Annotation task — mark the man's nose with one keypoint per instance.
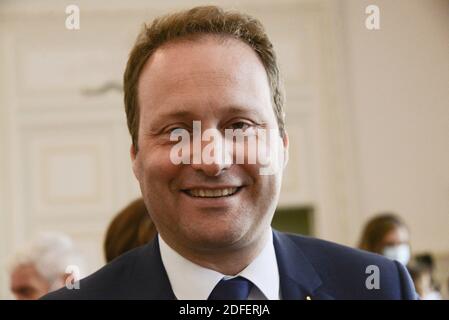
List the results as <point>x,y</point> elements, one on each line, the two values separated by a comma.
<point>212,157</point>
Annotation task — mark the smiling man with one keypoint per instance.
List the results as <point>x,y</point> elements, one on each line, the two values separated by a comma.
<point>219,69</point>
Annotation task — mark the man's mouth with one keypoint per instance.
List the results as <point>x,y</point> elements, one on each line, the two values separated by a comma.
<point>212,193</point>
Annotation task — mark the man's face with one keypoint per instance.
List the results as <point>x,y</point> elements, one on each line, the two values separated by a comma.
<point>224,86</point>
<point>27,283</point>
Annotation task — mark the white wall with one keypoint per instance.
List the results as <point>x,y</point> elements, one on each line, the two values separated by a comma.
<point>399,91</point>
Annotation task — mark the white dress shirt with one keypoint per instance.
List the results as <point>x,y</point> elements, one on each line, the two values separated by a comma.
<point>190,281</point>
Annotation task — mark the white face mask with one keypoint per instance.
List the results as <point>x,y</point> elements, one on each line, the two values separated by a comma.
<point>432,295</point>
<point>399,252</point>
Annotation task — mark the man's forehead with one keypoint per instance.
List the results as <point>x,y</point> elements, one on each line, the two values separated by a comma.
<point>170,74</point>
<point>184,60</point>
<point>200,78</point>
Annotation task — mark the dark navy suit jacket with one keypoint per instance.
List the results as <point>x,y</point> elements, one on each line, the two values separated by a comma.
<point>307,267</point>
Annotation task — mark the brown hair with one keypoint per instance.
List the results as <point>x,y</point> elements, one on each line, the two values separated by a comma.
<point>376,229</point>
<point>130,228</point>
<point>194,23</point>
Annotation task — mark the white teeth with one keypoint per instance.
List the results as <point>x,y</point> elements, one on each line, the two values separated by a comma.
<point>211,193</point>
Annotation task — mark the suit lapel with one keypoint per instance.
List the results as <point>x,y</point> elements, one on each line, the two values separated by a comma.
<point>298,277</point>
<point>149,279</point>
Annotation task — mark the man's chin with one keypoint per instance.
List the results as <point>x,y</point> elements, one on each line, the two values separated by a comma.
<point>217,239</point>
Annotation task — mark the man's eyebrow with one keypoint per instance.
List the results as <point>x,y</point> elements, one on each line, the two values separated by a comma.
<point>186,113</point>
<point>233,109</point>
<point>176,114</point>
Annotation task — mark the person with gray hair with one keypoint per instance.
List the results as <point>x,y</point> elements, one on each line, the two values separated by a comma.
<point>47,263</point>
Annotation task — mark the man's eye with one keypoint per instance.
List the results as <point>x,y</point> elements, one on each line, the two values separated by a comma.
<point>175,129</point>
<point>240,125</point>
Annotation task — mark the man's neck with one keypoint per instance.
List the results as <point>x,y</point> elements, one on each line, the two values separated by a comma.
<point>229,261</point>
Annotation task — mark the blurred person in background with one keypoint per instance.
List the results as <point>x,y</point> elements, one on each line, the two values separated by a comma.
<point>130,228</point>
<point>421,269</point>
<point>387,234</point>
<point>42,266</point>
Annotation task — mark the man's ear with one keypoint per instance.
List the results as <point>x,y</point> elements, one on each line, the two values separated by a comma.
<point>286,146</point>
<point>133,154</point>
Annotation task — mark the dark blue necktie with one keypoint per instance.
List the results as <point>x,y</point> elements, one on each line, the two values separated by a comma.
<point>237,288</point>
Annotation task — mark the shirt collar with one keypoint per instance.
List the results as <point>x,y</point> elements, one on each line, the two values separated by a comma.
<point>190,281</point>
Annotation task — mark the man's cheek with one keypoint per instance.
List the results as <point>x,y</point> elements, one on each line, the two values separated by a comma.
<point>158,169</point>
